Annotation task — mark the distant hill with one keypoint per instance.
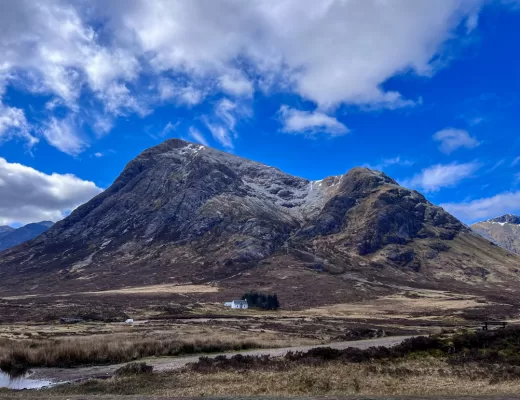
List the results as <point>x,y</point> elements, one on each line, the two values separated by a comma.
<point>183,213</point>
<point>5,230</point>
<point>504,231</point>
<point>10,237</point>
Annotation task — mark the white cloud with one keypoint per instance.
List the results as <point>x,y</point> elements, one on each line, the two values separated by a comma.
<point>118,100</point>
<point>452,139</point>
<point>199,137</point>
<point>223,123</point>
<point>336,51</point>
<point>434,178</point>
<point>186,95</point>
<point>515,162</point>
<point>102,125</point>
<point>13,123</point>
<point>62,135</point>
<point>98,154</point>
<point>329,52</point>
<point>28,195</point>
<point>387,162</point>
<point>485,208</point>
<point>227,110</point>
<point>236,84</point>
<point>221,134</point>
<point>310,122</point>
<point>54,42</point>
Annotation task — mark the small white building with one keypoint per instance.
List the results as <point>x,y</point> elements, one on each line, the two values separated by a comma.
<point>236,304</point>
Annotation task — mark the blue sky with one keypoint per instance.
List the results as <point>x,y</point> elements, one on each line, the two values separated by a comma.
<point>426,91</point>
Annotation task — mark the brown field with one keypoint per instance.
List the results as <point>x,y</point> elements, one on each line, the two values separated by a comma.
<point>158,289</point>
<point>414,377</point>
<point>459,364</point>
<point>190,319</point>
<point>110,343</point>
<point>113,349</point>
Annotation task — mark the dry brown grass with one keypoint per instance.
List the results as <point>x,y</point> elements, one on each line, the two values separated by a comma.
<point>178,289</point>
<point>112,349</point>
<point>403,305</point>
<point>424,377</point>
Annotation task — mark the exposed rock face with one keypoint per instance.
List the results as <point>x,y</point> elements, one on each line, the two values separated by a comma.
<point>507,219</point>
<point>10,237</point>
<point>181,212</point>
<point>504,231</point>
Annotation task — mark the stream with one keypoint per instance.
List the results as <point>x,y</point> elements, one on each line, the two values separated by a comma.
<point>22,382</point>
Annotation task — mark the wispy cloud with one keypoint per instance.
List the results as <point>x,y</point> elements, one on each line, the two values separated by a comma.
<point>196,135</point>
<point>13,123</point>
<point>168,128</point>
<point>220,134</point>
<point>452,139</point>
<point>226,116</point>
<point>63,135</point>
<point>497,165</point>
<point>182,94</point>
<point>388,162</point>
<point>438,176</point>
<point>486,207</point>
<point>310,122</point>
<point>236,84</point>
<point>515,162</point>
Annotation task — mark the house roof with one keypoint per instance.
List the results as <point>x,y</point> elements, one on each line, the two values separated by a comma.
<point>240,301</point>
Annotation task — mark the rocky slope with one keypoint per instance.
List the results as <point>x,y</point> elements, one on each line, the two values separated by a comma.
<point>504,231</point>
<point>185,213</point>
<point>12,237</point>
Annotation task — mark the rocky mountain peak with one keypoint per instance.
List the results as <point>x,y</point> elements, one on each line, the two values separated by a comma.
<point>506,219</point>
<point>503,230</point>
<point>184,212</point>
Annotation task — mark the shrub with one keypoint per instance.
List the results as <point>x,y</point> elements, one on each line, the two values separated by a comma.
<point>261,300</point>
<point>134,368</point>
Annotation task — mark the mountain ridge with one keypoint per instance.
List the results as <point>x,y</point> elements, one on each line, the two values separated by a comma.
<point>503,230</point>
<point>185,213</point>
<point>14,236</point>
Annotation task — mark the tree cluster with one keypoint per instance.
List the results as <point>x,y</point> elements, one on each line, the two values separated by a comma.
<point>261,300</point>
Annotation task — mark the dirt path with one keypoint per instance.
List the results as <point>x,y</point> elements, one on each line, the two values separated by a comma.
<point>171,363</point>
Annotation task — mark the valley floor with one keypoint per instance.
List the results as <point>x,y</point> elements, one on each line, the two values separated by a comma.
<point>420,375</point>
<point>172,323</point>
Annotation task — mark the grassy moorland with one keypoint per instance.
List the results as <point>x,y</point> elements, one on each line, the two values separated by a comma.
<point>19,355</point>
<point>461,364</point>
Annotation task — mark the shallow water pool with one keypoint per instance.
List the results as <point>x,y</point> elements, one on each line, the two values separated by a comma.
<point>22,382</point>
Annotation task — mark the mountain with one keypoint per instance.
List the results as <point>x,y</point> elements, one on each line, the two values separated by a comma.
<point>504,231</point>
<point>5,230</point>
<point>185,213</point>
<point>10,237</point>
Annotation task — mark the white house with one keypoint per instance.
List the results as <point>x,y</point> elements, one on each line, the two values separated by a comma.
<point>236,304</point>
